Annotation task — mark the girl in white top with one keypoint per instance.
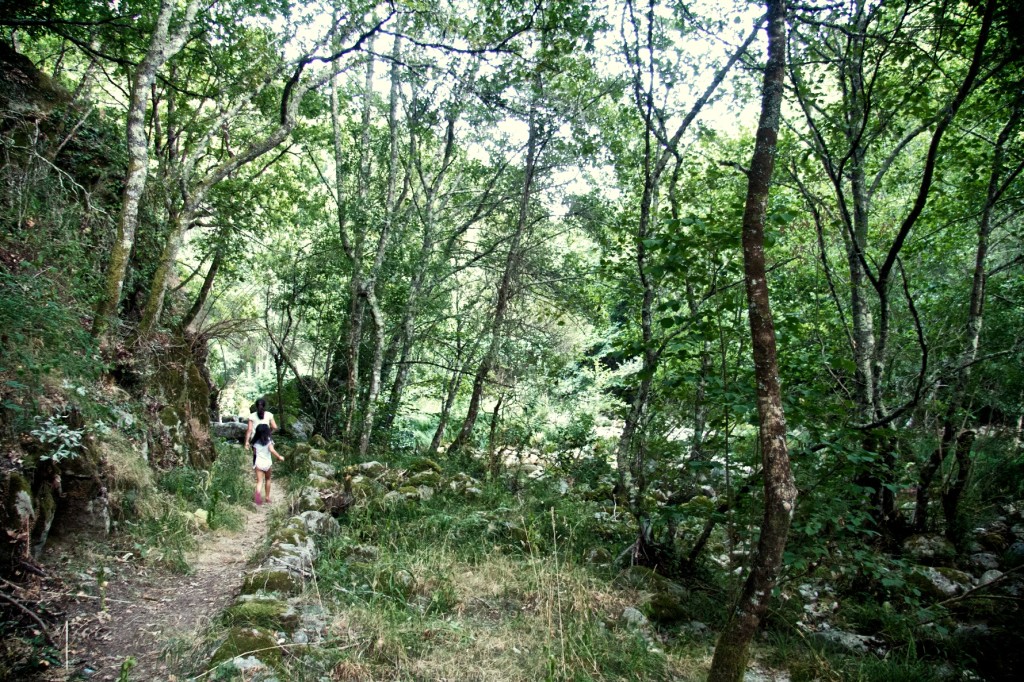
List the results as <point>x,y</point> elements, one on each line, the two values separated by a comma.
<point>264,449</point>
<point>260,416</point>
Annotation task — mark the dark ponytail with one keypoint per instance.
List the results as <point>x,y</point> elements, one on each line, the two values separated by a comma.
<point>261,407</point>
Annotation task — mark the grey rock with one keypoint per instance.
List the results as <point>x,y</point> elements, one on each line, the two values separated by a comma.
<point>930,550</point>
<point>989,576</point>
<point>633,618</point>
<point>984,561</point>
<point>320,523</point>
<point>941,582</point>
<point>371,469</point>
<point>847,642</point>
<point>1014,555</point>
<point>232,431</point>
<point>323,468</point>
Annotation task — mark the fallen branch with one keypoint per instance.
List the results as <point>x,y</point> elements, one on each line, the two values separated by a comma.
<point>30,613</point>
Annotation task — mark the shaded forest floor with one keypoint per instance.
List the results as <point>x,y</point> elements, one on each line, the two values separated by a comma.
<point>145,610</point>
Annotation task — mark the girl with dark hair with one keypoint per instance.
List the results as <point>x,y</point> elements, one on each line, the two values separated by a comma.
<point>262,462</point>
<point>261,416</point>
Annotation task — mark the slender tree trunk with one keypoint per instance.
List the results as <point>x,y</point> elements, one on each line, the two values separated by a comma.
<point>190,323</point>
<point>533,147</point>
<point>446,409</point>
<point>492,440</point>
<point>730,659</point>
<point>355,319</point>
<point>390,210</point>
<point>162,47</point>
<point>975,318</point>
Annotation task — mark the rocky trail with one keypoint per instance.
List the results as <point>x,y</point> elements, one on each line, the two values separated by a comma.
<point>147,610</point>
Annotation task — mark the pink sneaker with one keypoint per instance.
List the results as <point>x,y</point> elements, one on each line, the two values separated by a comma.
<point>256,498</point>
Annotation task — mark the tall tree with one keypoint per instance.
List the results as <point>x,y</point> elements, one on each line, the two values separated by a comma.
<point>730,659</point>
<point>163,45</point>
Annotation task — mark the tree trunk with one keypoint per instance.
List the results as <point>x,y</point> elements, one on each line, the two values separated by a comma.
<point>730,658</point>
<point>446,410</point>
<point>492,440</point>
<point>190,323</point>
<point>390,209</point>
<point>975,319</point>
<point>162,46</point>
<point>355,317</point>
<point>533,147</point>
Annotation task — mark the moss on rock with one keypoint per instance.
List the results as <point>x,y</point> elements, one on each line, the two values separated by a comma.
<point>271,580</point>
<point>262,612</point>
<point>242,641</point>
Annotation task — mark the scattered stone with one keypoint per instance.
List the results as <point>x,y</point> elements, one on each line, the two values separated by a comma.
<point>633,618</point>
<point>929,550</point>
<point>272,580</point>
<point>320,482</point>
<point>846,642</point>
<point>984,561</point>
<point>599,556</point>
<point>668,599</point>
<point>425,492</point>
<point>242,641</point>
<point>989,576</point>
<point>317,441</point>
<point>1014,555</point>
<point>323,468</point>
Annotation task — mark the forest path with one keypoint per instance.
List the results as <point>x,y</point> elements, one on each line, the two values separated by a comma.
<point>148,608</point>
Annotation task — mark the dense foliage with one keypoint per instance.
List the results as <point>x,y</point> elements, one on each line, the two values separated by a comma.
<point>507,232</point>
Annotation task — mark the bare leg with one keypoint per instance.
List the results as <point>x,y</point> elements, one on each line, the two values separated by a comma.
<point>267,476</point>
<point>259,486</point>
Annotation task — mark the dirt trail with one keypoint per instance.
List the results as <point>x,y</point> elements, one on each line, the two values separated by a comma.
<point>148,608</point>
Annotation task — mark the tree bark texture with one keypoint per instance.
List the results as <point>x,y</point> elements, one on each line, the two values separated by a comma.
<point>730,658</point>
<point>162,46</point>
<point>369,287</point>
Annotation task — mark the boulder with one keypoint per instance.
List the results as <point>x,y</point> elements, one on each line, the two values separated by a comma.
<point>425,464</point>
<point>271,580</point>
<point>667,599</point>
<point>1014,555</point>
<point>241,641</point>
<point>846,642</point>
<point>323,469</point>
<point>428,478</point>
<point>984,561</point>
<point>370,469</point>
<point>320,524</point>
<point>231,431</point>
<point>262,611</point>
<point>940,583</point>
<point>632,618</point>
<point>929,550</point>
<point>989,576</point>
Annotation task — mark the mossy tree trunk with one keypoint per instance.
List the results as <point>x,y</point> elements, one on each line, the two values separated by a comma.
<point>162,46</point>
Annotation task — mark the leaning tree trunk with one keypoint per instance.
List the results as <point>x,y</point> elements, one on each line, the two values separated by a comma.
<point>731,652</point>
<point>162,46</point>
<point>533,146</point>
<point>950,441</point>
